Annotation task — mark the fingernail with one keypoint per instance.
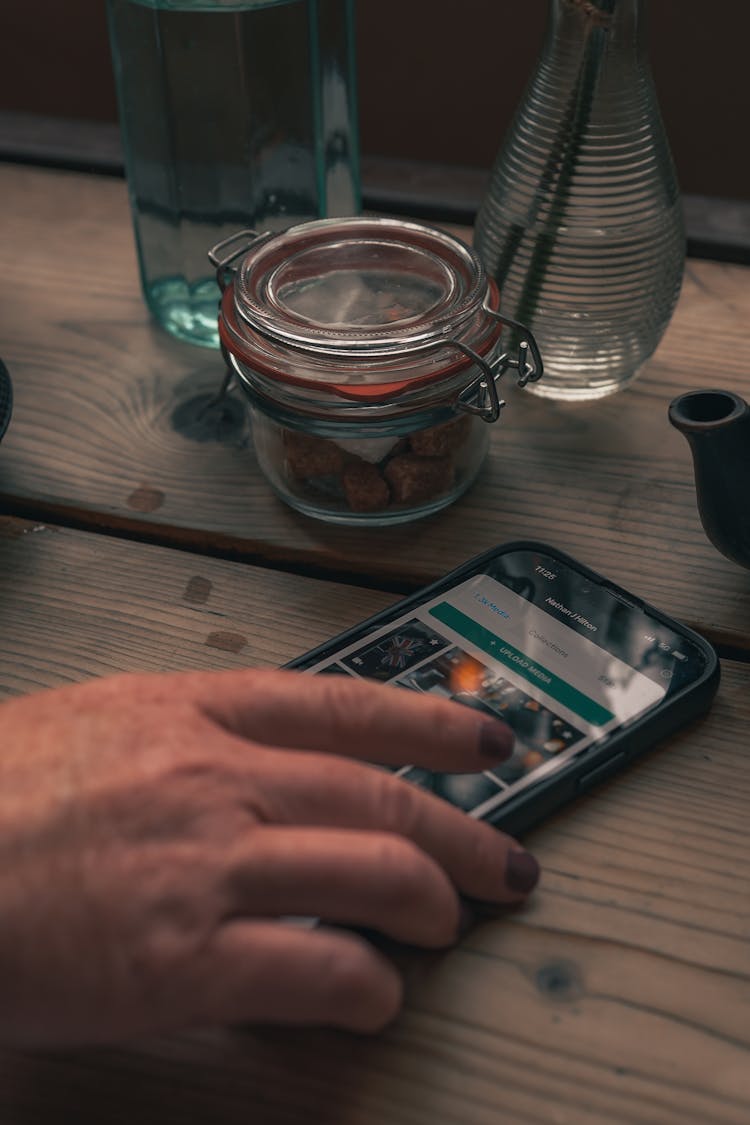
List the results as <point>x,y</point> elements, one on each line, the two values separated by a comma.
<point>495,741</point>
<point>521,871</point>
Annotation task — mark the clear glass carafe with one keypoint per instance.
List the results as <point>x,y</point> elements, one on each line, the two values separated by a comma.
<point>582,223</point>
<point>233,113</point>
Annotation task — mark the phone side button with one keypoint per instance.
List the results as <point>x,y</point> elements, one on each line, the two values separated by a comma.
<point>593,777</point>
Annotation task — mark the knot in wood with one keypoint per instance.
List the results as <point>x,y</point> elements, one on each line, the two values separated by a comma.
<point>559,980</point>
<point>208,417</point>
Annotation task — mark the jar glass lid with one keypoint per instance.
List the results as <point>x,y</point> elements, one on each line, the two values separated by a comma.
<point>368,309</point>
<point>355,287</point>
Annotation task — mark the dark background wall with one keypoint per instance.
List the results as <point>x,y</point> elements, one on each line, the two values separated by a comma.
<point>437,81</point>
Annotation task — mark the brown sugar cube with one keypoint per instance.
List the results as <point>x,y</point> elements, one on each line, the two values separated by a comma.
<point>364,487</point>
<point>413,479</point>
<point>439,440</point>
<point>401,446</point>
<point>311,456</point>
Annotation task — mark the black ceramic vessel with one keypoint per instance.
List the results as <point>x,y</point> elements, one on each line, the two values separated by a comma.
<point>6,398</point>
<point>717,427</point>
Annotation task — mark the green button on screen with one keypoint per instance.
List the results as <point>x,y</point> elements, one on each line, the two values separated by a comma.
<point>522,664</point>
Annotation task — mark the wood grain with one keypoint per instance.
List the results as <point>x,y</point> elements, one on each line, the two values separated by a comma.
<point>621,994</point>
<point>75,605</point>
<point>99,389</point>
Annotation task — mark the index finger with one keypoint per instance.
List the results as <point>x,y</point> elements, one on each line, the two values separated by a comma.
<point>355,718</point>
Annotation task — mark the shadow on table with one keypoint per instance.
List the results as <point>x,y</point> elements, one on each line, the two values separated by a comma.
<point>259,1077</point>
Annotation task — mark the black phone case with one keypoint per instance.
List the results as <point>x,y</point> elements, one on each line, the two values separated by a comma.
<point>532,805</point>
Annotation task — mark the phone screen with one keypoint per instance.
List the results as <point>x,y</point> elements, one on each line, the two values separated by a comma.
<point>563,658</point>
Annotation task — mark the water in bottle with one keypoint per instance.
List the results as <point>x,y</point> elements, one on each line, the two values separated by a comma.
<point>234,114</point>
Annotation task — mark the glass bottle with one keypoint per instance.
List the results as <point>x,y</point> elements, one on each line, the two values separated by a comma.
<point>582,223</point>
<point>233,113</point>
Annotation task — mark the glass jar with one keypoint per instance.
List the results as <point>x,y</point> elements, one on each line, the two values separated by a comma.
<point>368,351</point>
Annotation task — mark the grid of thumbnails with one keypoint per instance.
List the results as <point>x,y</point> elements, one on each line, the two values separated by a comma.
<point>414,656</point>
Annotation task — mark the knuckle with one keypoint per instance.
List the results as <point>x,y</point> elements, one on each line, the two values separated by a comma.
<point>406,871</point>
<point>418,893</point>
<point>348,707</point>
<point>152,960</point>
<point>173,927</point>
<point>356,990</point>
<point>399,805</point>
<point>348,976</point>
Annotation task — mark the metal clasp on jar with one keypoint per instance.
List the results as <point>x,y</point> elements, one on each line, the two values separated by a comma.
<point>242,240</point>
<point>481,396</point>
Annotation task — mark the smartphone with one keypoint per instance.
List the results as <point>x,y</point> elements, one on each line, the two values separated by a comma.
<point>587,674</point>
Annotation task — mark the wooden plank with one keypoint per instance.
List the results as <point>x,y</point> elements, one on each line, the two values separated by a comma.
<point>619,994</point>
<point>75,605</point>
<point>105,402</point>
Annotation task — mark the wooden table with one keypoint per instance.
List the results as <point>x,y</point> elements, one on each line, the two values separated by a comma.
<point>622,992</point>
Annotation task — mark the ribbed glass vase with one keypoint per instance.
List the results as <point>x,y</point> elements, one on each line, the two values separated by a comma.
<point>582,222</point>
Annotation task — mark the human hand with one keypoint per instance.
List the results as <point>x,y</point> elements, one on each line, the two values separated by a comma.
<point>154,830</point>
